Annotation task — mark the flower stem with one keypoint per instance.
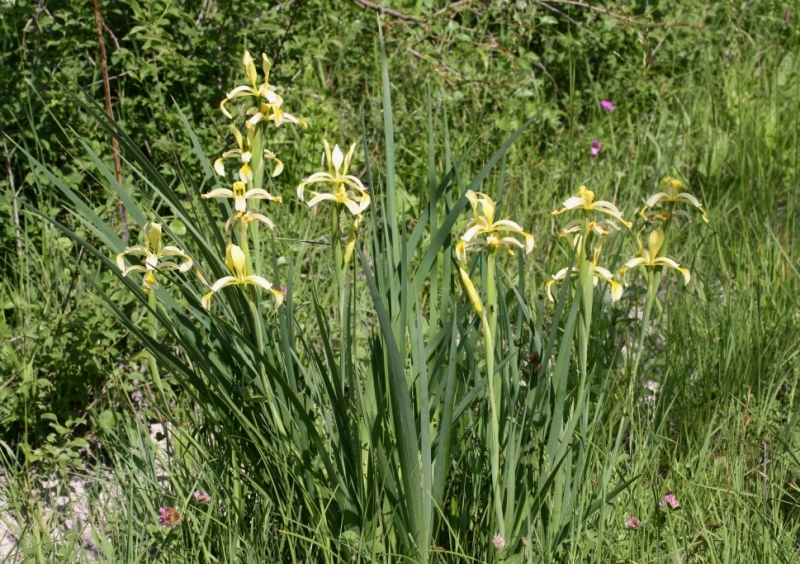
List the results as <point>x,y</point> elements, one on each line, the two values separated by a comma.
<point>489,321</point>
<point>340,273</point>
<point>153,327</point>
<point>258,156</point>
<point>652,291</point>
<point>339,268</point>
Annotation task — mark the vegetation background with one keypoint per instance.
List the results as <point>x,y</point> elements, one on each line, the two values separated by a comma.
<point>707,91</point>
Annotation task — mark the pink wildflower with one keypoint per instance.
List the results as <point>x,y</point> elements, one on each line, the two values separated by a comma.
<point>633,523</point>
<point>596,146</point>
<point>202,497</point>
<point>169,517</point>
<point>787,17</point>
<point>671,500</point>
<point>498,541</point>
<point>607,106</point>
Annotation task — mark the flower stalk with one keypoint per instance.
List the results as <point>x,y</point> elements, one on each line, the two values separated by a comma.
<point>483,235</point>
<point>489,322</point>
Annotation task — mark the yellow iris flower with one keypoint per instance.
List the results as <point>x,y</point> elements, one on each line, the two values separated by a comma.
<point>672,193</point>
<point>483,231</point>
<point>598,273</point>
<point>245,174</point>
<point>240,195</point>
<point>585,201</point>
<point>247,217</point>
<point>348,191</point>
<point>268,105</point>
<point>235,259</point>
<point>271,111</point>
<point>649,257</point>
<point>600,228</point>
<point>264,90</point>
<point>153,252</point>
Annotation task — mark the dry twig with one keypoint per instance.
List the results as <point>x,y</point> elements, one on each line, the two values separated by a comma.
<point>98,20</point>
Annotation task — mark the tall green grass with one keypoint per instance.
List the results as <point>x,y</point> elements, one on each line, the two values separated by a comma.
<point>367,440</point>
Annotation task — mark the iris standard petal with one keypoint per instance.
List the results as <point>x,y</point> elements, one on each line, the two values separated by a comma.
<point>348,157</point>
<point>473,202</point>
<point>337,158</point>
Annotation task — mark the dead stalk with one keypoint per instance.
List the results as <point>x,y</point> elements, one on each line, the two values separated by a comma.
<point>98,20</point>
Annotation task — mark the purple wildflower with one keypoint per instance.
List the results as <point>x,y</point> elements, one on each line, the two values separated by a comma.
<point>202,497</point>
<point>169,517</point>
<point>633,523</point>
<point>607,106</point>
<point>787,17</point>
<point>596,146</point>
<point>671,500</point>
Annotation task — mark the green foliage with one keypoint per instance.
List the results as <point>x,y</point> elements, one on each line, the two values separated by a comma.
<point>365,436</point>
